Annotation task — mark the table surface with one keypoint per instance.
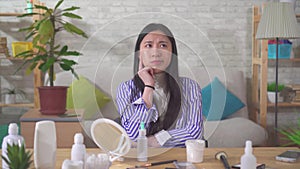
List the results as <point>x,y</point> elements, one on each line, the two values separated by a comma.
<point>34,115</point>
<point>264,155</point>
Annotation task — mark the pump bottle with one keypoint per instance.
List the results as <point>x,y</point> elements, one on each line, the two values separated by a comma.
<point>142,144</point>
<point>11,138</point>
<point>78,149</point>
<point>248,160</point>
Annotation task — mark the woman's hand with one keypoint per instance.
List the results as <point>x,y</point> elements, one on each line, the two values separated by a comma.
<point>152,142</point>
<point>146,74</point>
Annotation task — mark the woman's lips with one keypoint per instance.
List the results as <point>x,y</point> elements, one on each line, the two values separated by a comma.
<point>156,62</point>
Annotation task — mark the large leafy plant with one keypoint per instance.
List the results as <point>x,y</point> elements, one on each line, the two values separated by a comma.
<point>46,52</point>
<point>17,157</point>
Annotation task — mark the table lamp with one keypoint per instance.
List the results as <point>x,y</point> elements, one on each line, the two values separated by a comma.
<point>278,21</point>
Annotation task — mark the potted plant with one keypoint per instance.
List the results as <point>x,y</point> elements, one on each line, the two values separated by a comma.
<point>271,92</point>
<point>11,94</point>
<point>47,52</point>
<point>17,157</point>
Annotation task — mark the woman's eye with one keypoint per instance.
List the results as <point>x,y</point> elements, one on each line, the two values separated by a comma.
<point>163,45</point>
<point>148,45</point>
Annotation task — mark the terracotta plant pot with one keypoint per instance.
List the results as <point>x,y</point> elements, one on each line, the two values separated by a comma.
<point>53,99</point>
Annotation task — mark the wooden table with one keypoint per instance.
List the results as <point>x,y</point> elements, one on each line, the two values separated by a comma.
<point>264,155</point>
<point>66,126</point>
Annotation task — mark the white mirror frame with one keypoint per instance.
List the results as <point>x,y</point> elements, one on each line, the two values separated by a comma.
<point>121,150</point>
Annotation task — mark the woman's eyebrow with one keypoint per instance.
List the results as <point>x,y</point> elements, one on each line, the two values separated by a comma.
<point>163,41</point>
<point>148,41</point>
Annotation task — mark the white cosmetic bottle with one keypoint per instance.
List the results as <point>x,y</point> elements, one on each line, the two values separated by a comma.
<point>78,148</point>
<point>248,160</point>
<point>142,144</point>
<point>45,145</point>
<point>11,138</point>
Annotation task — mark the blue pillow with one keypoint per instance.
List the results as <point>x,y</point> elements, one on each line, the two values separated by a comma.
<point>224,103</point>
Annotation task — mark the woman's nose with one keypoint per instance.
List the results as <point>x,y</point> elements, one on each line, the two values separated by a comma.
<point>156,52</point>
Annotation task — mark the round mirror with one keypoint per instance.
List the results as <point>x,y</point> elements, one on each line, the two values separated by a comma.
<point>110,137</point>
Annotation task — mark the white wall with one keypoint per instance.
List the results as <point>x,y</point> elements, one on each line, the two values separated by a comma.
<point>209,33</point>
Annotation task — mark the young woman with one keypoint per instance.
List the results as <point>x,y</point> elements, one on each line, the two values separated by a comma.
<point>169,105</point>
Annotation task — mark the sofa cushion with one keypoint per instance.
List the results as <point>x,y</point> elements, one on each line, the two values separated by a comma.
<point>82,94</point>
<point>234,132</point>
<point>224,102</point>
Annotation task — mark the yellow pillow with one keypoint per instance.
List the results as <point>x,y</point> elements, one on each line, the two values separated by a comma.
<point>82,94</point>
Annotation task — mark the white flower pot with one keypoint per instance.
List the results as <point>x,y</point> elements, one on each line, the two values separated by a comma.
<point>271,97</point>
<point>10,98</point>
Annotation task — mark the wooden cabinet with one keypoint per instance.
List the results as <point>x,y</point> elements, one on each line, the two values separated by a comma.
<point>66,126</point>
<point>37,81</point>
<point>260,65</point>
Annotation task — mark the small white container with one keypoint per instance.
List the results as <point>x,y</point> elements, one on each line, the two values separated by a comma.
<point>248,160</point>
<point>195,150</point>
<point>78,148</point>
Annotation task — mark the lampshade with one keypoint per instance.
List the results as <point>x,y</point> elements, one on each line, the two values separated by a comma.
<point>278,21</point>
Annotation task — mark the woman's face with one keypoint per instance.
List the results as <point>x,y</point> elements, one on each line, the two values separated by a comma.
<point>156,51</point>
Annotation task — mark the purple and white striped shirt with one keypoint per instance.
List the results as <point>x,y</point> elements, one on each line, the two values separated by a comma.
<point>189,124</point>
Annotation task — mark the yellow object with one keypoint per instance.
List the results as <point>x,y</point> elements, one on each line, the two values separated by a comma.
<point>19,47</point>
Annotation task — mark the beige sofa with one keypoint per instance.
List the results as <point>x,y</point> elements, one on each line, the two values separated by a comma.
<point>230,132</point>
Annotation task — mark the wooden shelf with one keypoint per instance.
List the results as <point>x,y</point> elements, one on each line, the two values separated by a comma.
<point>11,14</point>
<point>285,60</point>
<point>11,58</point>
<point>260,65</point>
<point>284,104</point>
<point>37,75</point>
<point>17,105</point>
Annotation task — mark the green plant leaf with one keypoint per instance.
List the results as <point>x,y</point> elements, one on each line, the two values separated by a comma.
<point>272,87</point>
<point>71,15</point>
<point>28,14</point>
<point>63,50</point>
<point>35,40</point>
<point>58,4</point>
<point>29,35</point>
<point>38,58</point>
<point>71,8</point>
<point>71,53</point>
<point>26,29</point>
<point>73,29</point>
<point>41,7</point>
<point>69,62</point>
<point>41,49</point>
<point>46,65</point>
<point>25,54</point>
<point>45,31</point>
<point>18,157</point>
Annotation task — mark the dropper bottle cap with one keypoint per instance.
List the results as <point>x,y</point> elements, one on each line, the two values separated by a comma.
<point>142,125</point>
<point>13,129</point>
<point>142,129</point>
<point>78,138</point>
<point>248,148</point>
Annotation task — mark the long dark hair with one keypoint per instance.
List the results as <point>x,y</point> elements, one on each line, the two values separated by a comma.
<point>172,77</point>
